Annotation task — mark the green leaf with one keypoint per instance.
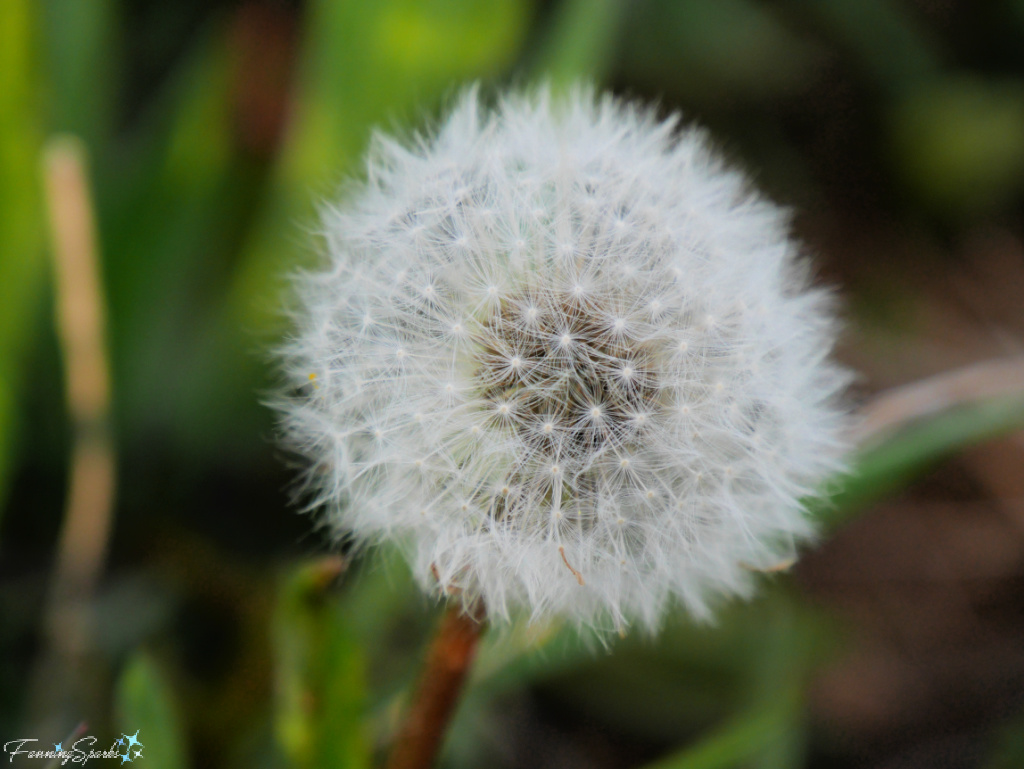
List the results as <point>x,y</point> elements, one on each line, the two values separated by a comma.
<point>693,675</point>
<point>179,203</point>
<point>885,468</point>
<point>769,732</point>
<point>788,654</point>
<point>320,674</point>
<point>756,659</point>
<point>580,42</point>
<point>737,743</point>
<point>80,66</point>
<point>21,220</point>
<point>145,706</point>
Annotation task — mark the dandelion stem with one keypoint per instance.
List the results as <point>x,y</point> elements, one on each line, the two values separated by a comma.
<point>444,672</point>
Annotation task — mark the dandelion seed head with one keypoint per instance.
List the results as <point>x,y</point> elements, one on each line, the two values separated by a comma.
<point>570,360</point>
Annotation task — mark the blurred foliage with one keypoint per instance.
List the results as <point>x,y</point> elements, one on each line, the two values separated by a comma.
<point>579,42</point>
<point>146,706</point>
<point>321,684</point>
<point>960,143</point>
<point>215,129</point>
<point>1008,752</point>
<point>750,736</point>
<point>21,218</point>
<point>888,466</point>
<point>716,51</point>
<point>884,39</point>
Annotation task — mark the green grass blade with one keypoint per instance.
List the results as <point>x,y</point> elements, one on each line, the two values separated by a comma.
<point>580,42</point>
<point>884,469</point>
<point>320,674</point>
<point>186,192</point>
<point>739,742</point>
<point>81,66</point>
<point>21,220</point>
<point>146,708</point>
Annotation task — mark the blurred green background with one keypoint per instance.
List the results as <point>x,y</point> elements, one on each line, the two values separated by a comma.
<point>225,630</point>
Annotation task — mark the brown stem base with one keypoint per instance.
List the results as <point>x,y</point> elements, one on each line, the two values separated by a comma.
<point>444,672</point>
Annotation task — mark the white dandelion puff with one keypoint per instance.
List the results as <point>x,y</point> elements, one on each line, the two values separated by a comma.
<point>568,360</point>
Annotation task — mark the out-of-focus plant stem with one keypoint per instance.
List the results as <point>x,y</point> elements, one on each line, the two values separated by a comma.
<point>80,320</point>
<point>894,409</point>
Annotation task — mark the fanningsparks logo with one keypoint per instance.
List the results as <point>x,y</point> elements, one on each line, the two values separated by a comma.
<point>126,748</point>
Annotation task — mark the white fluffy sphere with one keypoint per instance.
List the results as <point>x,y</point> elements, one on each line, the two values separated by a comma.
<point>566,358</point>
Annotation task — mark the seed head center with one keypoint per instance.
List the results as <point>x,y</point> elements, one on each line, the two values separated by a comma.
<point>560,380</point>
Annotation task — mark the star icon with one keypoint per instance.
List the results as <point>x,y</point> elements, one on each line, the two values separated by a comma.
<point>132,739</point>
<point>120,740</point>
<point>125,758</point>
<point>56,746</point>
<point>138,753</point>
